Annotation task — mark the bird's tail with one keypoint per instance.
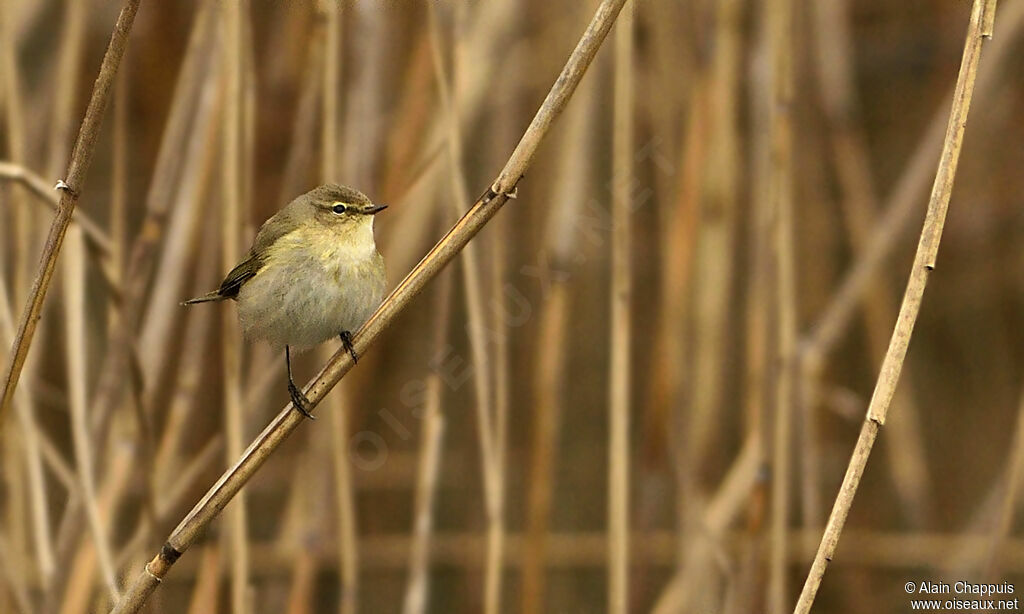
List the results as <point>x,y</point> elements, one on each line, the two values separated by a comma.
<point>206,298</point>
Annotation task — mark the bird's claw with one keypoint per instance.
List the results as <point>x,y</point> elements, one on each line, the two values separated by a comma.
<point>346,342</point>
<point>299,401</point>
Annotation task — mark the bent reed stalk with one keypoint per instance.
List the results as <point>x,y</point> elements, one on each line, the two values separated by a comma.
<point>485,207</point>
<point>70,191</point>
<point>980,28</point>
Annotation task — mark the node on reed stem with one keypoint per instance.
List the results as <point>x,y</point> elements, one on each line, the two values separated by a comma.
<point>924,264</point>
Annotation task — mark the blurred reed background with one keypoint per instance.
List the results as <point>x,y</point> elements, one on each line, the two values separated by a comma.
<point>636,390</point>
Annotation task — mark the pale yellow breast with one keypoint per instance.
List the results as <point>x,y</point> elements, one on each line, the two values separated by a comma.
<point>313,285</point>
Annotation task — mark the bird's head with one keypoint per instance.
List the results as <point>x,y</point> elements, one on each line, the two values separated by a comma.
<point>341,207</point>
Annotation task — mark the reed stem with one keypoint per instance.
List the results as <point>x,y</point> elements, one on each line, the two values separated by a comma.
<point>980,28</point>
<point>443,252</point>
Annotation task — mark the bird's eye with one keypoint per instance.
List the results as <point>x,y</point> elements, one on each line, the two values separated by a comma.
<point>338,208</point>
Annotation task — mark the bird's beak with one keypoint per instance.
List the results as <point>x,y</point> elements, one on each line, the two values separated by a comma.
<point>374,210</point>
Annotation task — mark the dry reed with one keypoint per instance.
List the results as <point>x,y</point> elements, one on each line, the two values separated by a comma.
<point>231,183</point>
<point>81,157</point>
<point>620,323</point>
<point>836,82</point>
<point>417,585</point>
<point>478,326</point>
<point>467,465</point>
<point>442,253</point>
<point>779,16</point>
<point>341,402</point>
<point>550,369</point>
<point>980,28</point>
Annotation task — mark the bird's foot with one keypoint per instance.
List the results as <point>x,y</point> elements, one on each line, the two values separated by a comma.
<point>299,401</point>
<point>346,342</point>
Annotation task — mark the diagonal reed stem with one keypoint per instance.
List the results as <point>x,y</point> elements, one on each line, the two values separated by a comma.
<point>81,157</point>
<point>210,506</point>
<point>980,28</point>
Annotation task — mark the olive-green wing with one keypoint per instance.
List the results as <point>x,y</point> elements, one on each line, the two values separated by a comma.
<point>273,229</point>
<point>233,282</point>
<point>239,275</point>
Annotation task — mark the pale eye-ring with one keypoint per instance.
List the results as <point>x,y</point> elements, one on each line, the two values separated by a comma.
<point>339,208</point>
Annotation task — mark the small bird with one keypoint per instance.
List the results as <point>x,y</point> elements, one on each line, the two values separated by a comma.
<point>313,273</point>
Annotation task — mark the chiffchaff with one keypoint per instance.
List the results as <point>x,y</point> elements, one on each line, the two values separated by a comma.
<point>312,273</point>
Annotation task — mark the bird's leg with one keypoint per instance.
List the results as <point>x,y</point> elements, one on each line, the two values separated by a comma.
<point>346,342</point>
<point>299,400</point>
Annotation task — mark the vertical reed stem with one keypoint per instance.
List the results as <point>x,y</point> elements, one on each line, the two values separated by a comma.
<point>619,376</point>
<point>431,435</point>
<point>348,552</point>
<point>231,221</point>
<point>74,290</point>
<point>779,14</point>
<point>478,328</point>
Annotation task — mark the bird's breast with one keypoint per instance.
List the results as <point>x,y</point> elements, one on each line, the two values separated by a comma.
<point>311,287</point>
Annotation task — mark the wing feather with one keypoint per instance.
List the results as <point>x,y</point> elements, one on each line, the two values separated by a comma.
<point>239,275</point>
<point>285,221</point>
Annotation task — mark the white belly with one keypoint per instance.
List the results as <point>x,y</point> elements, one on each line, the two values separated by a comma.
<point>302,299</point>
